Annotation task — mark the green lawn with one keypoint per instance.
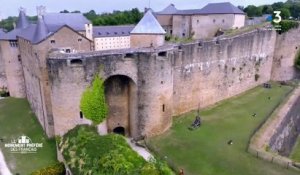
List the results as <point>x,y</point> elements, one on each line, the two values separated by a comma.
<point>16,119</point>
<point>295,155</point>
<point>205,151</point>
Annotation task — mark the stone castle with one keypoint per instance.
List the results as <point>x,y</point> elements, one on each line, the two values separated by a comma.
<point>51,63</point>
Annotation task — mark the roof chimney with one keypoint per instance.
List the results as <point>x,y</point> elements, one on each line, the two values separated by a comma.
<point>41,10</point>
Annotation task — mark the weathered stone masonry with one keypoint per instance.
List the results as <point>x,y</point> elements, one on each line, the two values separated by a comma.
<point>159,83</point>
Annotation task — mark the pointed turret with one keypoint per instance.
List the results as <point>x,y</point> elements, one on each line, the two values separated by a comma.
<point>22,22</point>
<point>148,25</point>
<point>41,30</point>
<point>148,32</point>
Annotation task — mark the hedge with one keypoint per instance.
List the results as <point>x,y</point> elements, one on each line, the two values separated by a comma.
<point>56,169</point>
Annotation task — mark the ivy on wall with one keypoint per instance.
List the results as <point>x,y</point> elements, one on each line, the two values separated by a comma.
<point>92,104</point>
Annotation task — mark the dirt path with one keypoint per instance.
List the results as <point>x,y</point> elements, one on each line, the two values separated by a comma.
<point>141,151</point>
<point>3,167</point>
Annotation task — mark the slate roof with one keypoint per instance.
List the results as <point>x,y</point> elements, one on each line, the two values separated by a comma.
<point>46,25</point>
<point>22,22</point>
<point>220,8</point>
<point>41,31</point>
<point>148,25</point>
<point>211,8</point>
<point>75,20</point>
<point>171,9</point>
<point>111,31</point>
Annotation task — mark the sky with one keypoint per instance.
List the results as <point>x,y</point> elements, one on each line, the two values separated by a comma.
<point>10,7</point>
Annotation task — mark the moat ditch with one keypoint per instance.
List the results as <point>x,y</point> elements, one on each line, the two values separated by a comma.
<point>285,136</point>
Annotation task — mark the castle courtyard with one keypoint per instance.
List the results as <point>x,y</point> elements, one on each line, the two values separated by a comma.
<point>205,150</point>
<point>23,122</point>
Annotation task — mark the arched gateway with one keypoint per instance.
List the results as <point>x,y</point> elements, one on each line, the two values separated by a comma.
<point>121,97</point>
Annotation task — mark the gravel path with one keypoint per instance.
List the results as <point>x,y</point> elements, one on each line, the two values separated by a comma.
<point>3,167</point>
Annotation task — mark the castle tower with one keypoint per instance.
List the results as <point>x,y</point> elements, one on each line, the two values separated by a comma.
<point>41,30</point>
<point>147,33</point>
<point>9,47</point>
<point>22,22</point>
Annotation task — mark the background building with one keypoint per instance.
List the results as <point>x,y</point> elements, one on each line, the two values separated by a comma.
<point>201,23</point>
<point>112,37</point>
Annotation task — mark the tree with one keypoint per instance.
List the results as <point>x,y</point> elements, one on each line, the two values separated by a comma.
<point>92,104</point>
<point>267,9</point>
<point>285,13</point>
<point>76,11</point>
<point>252,11</point>
<point>64,11</point>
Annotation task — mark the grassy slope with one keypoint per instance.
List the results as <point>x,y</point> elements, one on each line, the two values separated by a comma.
<point>205,151</point>
<point>295,155</point>
<point>17,119</point>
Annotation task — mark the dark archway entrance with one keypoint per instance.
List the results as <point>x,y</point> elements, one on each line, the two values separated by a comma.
<point>121,97</point>
<point>119,130</point>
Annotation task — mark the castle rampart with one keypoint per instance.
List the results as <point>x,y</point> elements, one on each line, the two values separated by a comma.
<point>156,84</point>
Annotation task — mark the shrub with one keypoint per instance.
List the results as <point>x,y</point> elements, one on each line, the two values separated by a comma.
<point>286,25</point>
<point>56,169</point>
<point>88,153</point>
<point>92,104</point>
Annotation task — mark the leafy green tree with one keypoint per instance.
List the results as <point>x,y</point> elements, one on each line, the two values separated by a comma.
<point>285,13</point>
<point>252,11</point>
<point>267,9</point>
<point>92,104</point>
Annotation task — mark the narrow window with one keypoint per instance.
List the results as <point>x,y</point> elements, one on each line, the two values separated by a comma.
<point>76,61</point>
<point>80,115</point>
<point>19,58</point>
<point>162,54</point>
<point>163,107</point>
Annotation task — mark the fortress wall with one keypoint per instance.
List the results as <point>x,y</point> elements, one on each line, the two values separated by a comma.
<point>155,92</point>
<point>206,74</point>
<point>32,75</point>
<point>69,80</point>
<point>3,80</point>
<point>169,80</point>
<point>286,49</point>
<point>13,70</point>
<point>36,73</point>
<point>286,134</point>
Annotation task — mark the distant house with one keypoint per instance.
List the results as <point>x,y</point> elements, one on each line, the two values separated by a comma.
<point>112,37</point>
<point>200,23</point>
